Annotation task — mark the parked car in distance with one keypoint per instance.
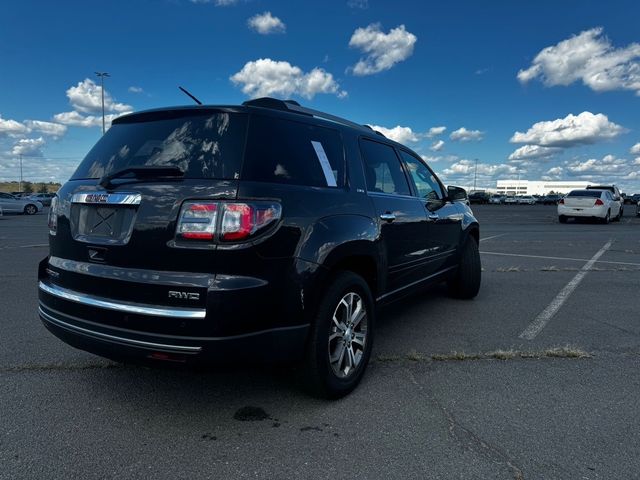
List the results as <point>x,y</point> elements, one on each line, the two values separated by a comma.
<point>276,245</point>
<point>632,199</point>
<point>526,200</point>
<point>615,192</point>
<point>43,198</point>
<point>511,199</point>
<point>479,197</point>
<point>595,204</point>
<point>496,199</point>
<point>551,199</point>
<point>11,204</point>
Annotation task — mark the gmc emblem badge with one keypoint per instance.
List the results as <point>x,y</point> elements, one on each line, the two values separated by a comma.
<point>97,198</point>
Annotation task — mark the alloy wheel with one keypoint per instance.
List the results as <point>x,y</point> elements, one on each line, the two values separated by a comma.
<point>348,335</point>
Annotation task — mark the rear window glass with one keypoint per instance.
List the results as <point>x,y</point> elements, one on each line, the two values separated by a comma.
<point>585,193</point>
<point>284,151</point>
<point>202,146</point>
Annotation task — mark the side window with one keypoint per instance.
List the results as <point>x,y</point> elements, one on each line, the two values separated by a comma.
<point>383,172</point>
<point>426,184</point>
<point>284,151</point>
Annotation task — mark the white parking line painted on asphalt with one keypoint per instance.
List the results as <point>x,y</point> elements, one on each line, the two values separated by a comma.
<point>25,246</point>
<point>569,259</point>
<point>494,236</point>
<point>547,314</point>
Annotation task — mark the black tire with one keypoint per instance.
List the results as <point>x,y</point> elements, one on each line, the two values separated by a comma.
<point>466,281</point>
<point>320,377</point>
<point>30,209</point>
<point>562,219</point>
<point>607,218</point>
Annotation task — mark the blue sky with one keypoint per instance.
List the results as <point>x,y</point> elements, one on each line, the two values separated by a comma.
<point>565,75</point>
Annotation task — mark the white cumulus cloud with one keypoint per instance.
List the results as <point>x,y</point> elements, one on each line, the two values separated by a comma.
<point>29,147</point>
<point>588,57</point>
<point>437,146</point>
<point>533,151</point>
<point>266,77</point>
<point>86,97</point>
<point>383,50</point>
<point>397,133</point>
<point>265,23</point>
<point>464,135</point>
<point>76,119</point>
<point>55,130</point>
<point>435,131</point>
<point>635,150</point>
<point>134,89</point>
<point>583,129</point>
<point>12,127</point>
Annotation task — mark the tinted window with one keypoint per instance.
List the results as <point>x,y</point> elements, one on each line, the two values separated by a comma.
<point>585,193</point>
<point>207,145</point>
<point>425,182</point>
<point>284,151</point>
<point>382,169</point>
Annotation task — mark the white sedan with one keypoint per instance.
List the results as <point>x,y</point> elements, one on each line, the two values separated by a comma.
<point>596,204</point>
<point>526,200</point>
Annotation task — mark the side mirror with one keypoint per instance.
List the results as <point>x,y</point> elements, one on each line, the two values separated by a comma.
<point>457,194</point>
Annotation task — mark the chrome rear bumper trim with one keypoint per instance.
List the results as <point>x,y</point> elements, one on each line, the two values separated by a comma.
<point>115,339</point>
<point>120,306</point>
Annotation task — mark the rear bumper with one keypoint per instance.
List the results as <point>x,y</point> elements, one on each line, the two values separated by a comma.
<point>239,320</point>
<point>590,212</point>
<point>269,346</point>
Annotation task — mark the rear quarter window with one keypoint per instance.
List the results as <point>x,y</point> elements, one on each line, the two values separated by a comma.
<point>286,151</point>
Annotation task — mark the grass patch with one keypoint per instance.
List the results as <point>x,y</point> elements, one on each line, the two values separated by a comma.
<point>415,356</point>
<point>388,358</point>
<point>551,268</point>
<point>567,351</point>
<point>509,269</point>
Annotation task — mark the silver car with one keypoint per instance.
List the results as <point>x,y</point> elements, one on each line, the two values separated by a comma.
<point>11,204</point>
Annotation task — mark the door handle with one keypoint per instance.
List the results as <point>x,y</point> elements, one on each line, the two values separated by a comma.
<point>387,217</point>
<point>433,216</point>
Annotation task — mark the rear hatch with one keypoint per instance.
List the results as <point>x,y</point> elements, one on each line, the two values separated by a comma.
<point>582,198</point>
<point>115,227</point>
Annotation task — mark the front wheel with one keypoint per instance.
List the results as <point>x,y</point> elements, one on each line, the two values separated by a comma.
<point>30,209</point>
<point>466,281</point>
<point>341,337</point>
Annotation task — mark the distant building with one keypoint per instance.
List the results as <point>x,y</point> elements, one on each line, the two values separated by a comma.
<point>531,187</point>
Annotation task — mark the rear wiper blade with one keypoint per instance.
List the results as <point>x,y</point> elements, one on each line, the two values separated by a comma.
<point>141,172</point>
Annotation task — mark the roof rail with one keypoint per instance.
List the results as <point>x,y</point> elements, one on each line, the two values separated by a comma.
<point>293,106</point>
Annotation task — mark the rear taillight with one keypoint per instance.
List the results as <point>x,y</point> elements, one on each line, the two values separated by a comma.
<point>225,221</point>
<point>52,219</point>
<point>197,221</point>
<point>561,201</point>
<point>598,203</point>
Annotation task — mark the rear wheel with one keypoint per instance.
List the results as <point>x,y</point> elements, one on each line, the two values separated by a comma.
<point>466,282</point>
<point>562,219</point>
<point>607,217</point>
<point>341,337</point>
<point>30,209</point>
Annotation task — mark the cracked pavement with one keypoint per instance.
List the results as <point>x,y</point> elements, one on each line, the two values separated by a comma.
<point>68,414</point>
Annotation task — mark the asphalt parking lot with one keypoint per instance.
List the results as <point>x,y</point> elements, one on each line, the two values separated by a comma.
<point>538,377</point>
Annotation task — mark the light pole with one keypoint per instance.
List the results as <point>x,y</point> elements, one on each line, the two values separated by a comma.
<point>102,75</point>
<point>20,188</point>
<point>475,176</point>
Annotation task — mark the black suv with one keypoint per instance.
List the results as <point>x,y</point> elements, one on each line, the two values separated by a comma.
<point>266,231</point>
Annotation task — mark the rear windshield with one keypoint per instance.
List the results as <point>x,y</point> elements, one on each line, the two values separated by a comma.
<point>585,193</point>
<point>209,145</point>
